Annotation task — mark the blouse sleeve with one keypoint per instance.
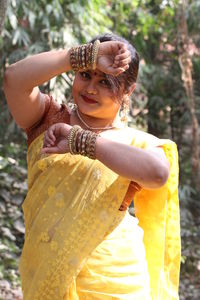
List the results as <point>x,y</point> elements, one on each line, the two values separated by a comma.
<point>53,113</point>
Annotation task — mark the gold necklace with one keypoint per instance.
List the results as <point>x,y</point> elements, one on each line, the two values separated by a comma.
<point>90,127</point>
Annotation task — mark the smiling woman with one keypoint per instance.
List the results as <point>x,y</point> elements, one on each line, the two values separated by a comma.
<point>94,97</point>
<point>85,165</point>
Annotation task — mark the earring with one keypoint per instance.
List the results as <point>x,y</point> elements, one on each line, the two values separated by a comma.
<point>124,110</point>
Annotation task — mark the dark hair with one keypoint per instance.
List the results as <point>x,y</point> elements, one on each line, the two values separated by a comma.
<point>130,75</point>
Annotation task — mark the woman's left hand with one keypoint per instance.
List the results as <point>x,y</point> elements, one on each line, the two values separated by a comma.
<point>55,139</point>
<point>113,57</point>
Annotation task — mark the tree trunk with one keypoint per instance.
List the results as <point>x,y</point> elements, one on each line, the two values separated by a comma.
<point>186,65</point>
<point>3,7</point>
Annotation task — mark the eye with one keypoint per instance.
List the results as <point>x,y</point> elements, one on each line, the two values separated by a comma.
<point>105,82</point>
<point>85,75</point>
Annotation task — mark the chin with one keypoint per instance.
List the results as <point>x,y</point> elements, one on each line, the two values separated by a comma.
<point>88,109</point>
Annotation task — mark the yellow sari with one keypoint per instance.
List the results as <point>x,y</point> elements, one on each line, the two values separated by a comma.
<point>72,216</point>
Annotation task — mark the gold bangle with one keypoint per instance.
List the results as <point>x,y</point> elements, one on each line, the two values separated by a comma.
<point>85,56</point>
<point>80,57</point>
<point>71,138</point>
<point>95,54</point>
<point>83,142</point>
<point>92,146</point>
<point>75,141</point>
<point>80,141</point>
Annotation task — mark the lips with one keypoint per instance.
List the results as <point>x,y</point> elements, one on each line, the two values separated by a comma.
<point>88,100</point>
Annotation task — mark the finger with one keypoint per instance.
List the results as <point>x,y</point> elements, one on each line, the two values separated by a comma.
<point>48,141</point>
<point>122,46</point>
<point>123,56</point>
<point>116,71</point>
<point>50,150</point>
<point>46,135</point>
<point>51,132</point>
<point>126,67</point>
<point>124,62</point>
<point>123,69</point>
<point>123,49</point>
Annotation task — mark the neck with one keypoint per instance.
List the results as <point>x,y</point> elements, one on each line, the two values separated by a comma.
<point>93,123</point>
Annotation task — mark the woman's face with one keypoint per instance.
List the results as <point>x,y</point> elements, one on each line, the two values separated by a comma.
<point>94,96</point>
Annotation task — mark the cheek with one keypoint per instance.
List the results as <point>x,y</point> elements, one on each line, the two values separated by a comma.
<point>114,102</point>
<point>113,105</point>
<point>116,107</point>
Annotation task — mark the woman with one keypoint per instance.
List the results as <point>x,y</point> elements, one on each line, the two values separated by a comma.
<point>80,241</point>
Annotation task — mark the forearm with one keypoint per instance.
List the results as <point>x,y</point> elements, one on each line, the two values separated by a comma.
<point>149,168</point>
<point>35,70</point>
<point>142,166</point>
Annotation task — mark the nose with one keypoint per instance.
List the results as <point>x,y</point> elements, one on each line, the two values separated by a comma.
<point>91,88</point>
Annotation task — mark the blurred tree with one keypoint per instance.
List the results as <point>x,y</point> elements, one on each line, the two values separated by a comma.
<point>186,65</point>
<point>160,103</point>
<point>36,26</point>
<point>3,7</point>
<point>160,100</point>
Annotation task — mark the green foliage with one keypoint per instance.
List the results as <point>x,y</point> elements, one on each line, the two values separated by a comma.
<point>160,103</point>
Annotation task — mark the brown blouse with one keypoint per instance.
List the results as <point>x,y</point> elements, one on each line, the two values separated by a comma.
<point>56,113</point>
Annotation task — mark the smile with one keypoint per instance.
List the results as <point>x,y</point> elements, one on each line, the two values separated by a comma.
<point>88,100</point>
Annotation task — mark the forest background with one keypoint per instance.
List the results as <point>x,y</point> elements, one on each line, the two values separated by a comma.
<point>166,102</point>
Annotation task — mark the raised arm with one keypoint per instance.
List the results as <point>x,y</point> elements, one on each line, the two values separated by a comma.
<point>21,83</point>
<point>22,79</point>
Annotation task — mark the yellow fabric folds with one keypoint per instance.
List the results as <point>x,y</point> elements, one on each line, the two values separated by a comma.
<point>158,214</point>
<point>117,268</point>
<point>70,207</point>
<point>70,212</point>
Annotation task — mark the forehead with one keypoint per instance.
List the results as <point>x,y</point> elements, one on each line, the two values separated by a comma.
<point>97,73</point>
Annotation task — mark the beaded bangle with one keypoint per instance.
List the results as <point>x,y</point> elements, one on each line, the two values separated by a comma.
<point>91,153</point>
<point>87,52</point>
<point>87,148</point>
<point>71,137</point>
<point>95,54</point>
<point>85,56</point>
<point>87,142</point>
<point>83,142</point>
<point>75,140</point>
<point>79,57</point>
<point>79,142</point>
<point>83,59</point>
<point>73,59</point>
<point>90,55</point>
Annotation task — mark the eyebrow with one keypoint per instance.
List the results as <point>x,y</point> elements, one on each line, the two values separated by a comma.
<point>100,75</point>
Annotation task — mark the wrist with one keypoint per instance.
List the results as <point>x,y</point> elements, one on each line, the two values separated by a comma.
<point>84,57</point>
<point>82,142</point>
<point>68,62</point>
<point>101,49</point>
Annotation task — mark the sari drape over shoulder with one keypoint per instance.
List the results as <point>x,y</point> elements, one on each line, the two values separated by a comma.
<point>72,209</point>
<point>158,214</point>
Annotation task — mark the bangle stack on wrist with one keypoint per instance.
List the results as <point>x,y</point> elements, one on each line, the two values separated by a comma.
<point>84,57</point>
<point>82,142</point>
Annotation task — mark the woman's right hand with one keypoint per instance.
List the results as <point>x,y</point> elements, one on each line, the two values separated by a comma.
<point>56,139</point>
<point>113,57</point>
